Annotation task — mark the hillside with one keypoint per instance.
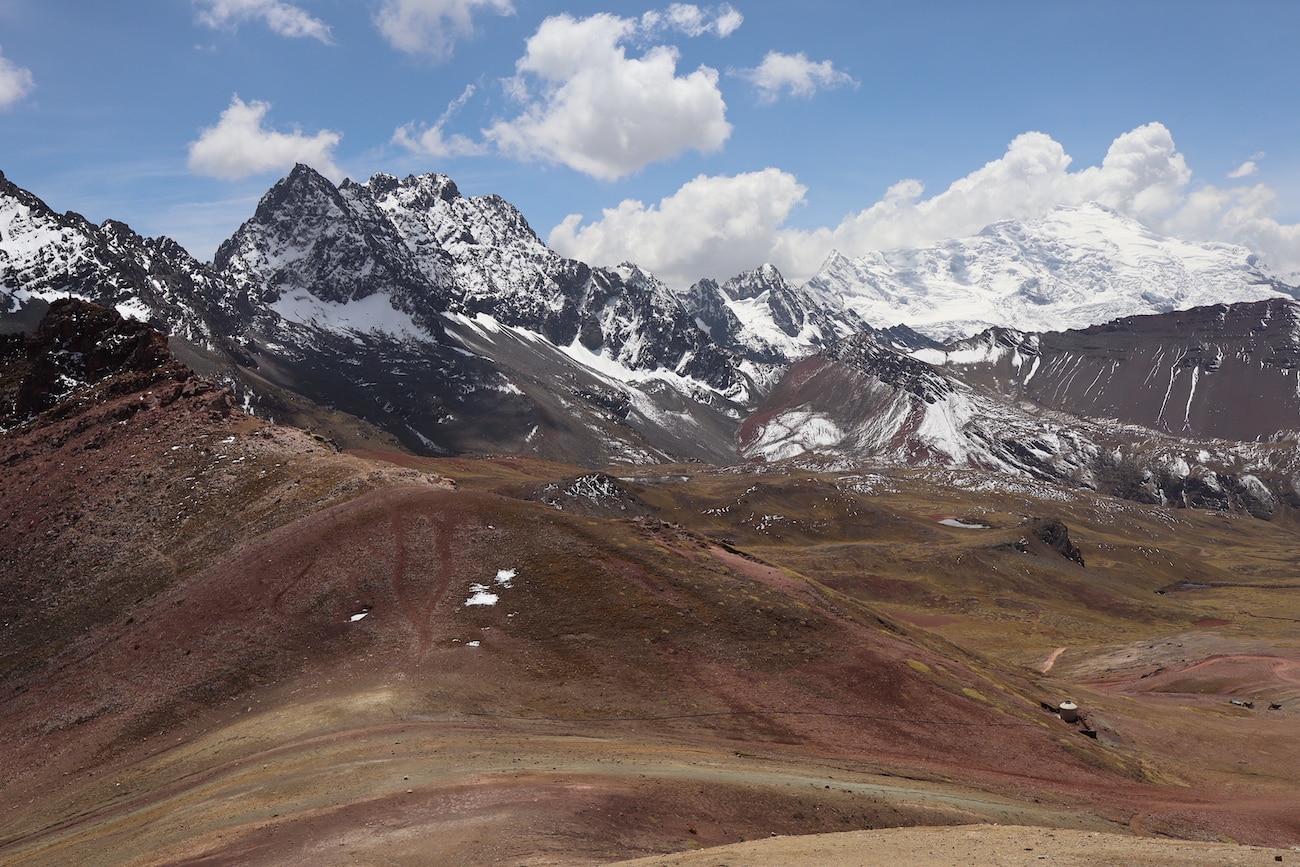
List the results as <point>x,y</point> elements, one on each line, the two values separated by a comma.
<point>227,642</point>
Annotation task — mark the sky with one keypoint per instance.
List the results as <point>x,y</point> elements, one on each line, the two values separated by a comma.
<point>696,140</point>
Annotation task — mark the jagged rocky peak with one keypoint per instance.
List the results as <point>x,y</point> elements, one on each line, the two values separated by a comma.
<point>432,205</point>
<point>309,236</point>
<point>990,345</point>
<point>437,187</point>
<point>634,275</point>
<point>707,304</point>
<point>302,189</point>
<point>754,282</point>
<point>789,310</point>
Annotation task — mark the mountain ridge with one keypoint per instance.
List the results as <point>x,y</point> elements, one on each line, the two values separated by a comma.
<point>349,296</point>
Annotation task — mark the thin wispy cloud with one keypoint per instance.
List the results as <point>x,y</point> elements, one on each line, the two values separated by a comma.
<point>693,21</point>
<point>433,27</point>
<point>284,19</point>
<point>1248,168</point>
<point>431,141</point>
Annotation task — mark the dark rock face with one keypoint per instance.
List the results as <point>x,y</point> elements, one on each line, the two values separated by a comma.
<point>80,343</point>
<point>1056,536</point>
<point>864,353</point>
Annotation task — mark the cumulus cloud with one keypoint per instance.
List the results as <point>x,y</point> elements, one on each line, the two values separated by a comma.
<point>1142,176</point>
<point>283,18</point>
<point>433,27</point>
<point>601,112</point>
<point>15,81</point>
<point>239,146</point>
<point>794,74</point>
<point>712,226</point>
<point>431,141</point>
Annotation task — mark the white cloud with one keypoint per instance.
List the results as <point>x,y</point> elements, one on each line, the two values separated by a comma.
<point>728,21</point>
<point>693,21</point>
<point>601,112</point>
<point>1245,170</point>
<point>283,18</point>
<point>238,146</point>
<point>1248,168</point>
<point>794,74</point>
<point>432,142</point>
<point>432,27</point>
<point>712,226</point>
<point>15,82</point>
<point>1142,176</point>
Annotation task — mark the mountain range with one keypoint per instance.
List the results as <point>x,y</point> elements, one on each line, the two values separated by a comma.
<point>399,311</point>
<point>393,536</point>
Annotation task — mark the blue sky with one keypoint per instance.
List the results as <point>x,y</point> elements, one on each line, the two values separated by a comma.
<point>695,139</point>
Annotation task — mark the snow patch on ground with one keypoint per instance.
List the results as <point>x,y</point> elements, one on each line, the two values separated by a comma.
<point>794,433</point>
<point>481,594</point>
<point>134,308</point>
<point>957,522</point>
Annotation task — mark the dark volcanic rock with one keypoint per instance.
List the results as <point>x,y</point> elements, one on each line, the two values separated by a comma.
<point>78,344</point>
<point>1053,533</point>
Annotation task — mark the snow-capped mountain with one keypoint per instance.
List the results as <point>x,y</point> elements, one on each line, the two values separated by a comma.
<point>1076,267</point>
<point>400,308</point>
<point>312,251</point>
<point>438,318</point>
<point>761,315</point>
<point>45,255</point>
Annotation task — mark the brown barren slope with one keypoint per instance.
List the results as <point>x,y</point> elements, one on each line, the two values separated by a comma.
<point>225,643</point>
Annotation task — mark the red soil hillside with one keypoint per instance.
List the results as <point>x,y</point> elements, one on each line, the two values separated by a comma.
<point>225,643</point>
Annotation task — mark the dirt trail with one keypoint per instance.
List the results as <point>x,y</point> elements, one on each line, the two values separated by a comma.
<point>1051,660</point>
